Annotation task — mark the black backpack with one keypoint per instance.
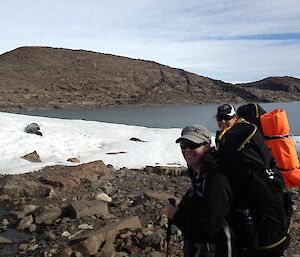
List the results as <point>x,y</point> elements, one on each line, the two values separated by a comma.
<point>251,112</point>
<point>262,205</point>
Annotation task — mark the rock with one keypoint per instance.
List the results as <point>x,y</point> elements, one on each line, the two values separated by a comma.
<point>5,222</point>
<point>75,160</point>
<point>27,209</point>
<point>63,181</point>
<point>23,247</point>
<point>161,196</point>
<point>136,139</point>
<point>32,228</point>
<point>104,185</point>
<point>92,170</point>
<point>47,215</point>
<point>92,241</point>
<point>5,240</point>
<point>66,234</point>
<point>166,170</point>
<point>157,254</point>
<point>33,247</point>
<point>154,241</point>
<point>66,252</point>
<point>32,157</point>
<point>25,222</point>
<point>120,254</point>
<point>85,226</point>
<point>19,187</point>
<point>50,235</point>
<point>103,197</point>
<point>83,208</point>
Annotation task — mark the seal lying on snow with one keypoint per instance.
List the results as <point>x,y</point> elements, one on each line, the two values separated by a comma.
<point>33,128</point>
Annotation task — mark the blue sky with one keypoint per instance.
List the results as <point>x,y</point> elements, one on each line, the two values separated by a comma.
<point>229,40</point>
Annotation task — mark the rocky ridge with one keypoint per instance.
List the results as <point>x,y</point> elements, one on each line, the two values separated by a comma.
<point>44,77</point>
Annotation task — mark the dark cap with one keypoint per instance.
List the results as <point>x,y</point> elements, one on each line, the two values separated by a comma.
<point>196,133</point>
<point>226,111</point>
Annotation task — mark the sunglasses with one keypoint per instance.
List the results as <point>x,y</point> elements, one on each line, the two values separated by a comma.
<point>190,145</point>
<point>224,118</point>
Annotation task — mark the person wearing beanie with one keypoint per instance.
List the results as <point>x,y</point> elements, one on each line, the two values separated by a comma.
<point>226,116</point>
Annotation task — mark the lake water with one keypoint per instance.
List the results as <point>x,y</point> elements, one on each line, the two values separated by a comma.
<point>163,116</point>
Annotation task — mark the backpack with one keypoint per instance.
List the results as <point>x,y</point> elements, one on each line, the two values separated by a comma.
<point>262,206</point>
<point>275,128</point>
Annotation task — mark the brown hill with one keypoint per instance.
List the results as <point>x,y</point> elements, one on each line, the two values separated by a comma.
<point>44,77</point>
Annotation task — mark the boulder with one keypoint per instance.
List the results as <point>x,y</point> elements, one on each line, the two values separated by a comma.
<point>63,181</point>
<point>91,242</point>
<point>75,160</point>
<point>82,208</point>
<point>18,186</point>
<point>25,222</point>
<point>32,157</point>
<point>161,196</point>
<point>47,215</point>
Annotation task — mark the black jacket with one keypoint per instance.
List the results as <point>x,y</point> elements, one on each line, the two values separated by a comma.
<point>203,210</point>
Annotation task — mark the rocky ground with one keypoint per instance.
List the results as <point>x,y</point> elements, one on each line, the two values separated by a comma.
<point>94,210</point>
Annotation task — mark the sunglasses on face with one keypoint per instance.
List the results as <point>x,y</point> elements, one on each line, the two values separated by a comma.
<point>224,118</point>
<point>190,145</point>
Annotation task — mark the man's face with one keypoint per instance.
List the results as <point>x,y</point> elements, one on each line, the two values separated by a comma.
<point>193,153</point>
<point>225,122</point>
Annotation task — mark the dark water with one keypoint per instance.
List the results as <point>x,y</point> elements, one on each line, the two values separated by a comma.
<point>162,116</point>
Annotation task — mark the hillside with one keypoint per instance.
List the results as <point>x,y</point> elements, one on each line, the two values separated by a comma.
<point>44,77</point>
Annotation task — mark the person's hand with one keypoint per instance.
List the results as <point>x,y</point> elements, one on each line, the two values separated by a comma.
<point>170,210</point>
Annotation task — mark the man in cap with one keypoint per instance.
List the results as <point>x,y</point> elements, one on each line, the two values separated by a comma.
<point>201,214</point>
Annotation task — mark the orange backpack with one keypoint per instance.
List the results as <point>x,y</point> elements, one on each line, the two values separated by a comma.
<point>276,131</point>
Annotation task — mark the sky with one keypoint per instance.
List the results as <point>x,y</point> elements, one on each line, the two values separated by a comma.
<point>87,141</point>
<point>229,40</point>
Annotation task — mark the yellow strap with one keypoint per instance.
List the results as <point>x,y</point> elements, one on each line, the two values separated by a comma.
<point>240,120</point>
<point>273,245</point>
<point>277,243</point>
<point>247,139</point>
<point>223,132</point>
<point>256,110</point>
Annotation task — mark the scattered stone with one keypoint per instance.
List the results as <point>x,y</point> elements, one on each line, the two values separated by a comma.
<point>32,228</point>
<point>93,240</point>
<point>25,222</point>
<point>5,240</point>
<point>5,222</point>
<point>134,192</point>
<point>32,157</point>
<point>63,181</point>
<point>96,167</point>
<point>161,196</point>
<point>118,152</point>
<point>19,187</point>
<point>103,197</point>
<point>136,139</point>
<point>75,160</point>
<point>154,241</point>
<point>66,252</point>
<point>66,234</point>
<point>85,226</point>
<point>47,215</point>
<point>83,208</point>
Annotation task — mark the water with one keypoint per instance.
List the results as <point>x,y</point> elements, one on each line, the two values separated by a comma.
<point>162,116</point>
